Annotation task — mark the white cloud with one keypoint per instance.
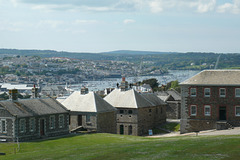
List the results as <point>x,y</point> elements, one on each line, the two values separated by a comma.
<point>154,6</point>
<point>230,7</point>
<point>127,21</point>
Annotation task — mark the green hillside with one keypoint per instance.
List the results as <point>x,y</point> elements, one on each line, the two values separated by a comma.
<point>117,147</point>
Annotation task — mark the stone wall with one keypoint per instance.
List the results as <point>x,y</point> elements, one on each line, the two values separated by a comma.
<point>106,122</point>
<point>35,134</point>
<point>173,110</point>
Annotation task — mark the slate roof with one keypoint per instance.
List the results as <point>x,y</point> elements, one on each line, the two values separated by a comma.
<point>175,94</point>
<point>90,102</point>
<point>153,99</point>
<point>215,78</point>
<point>33,107</point>
<point>127,99</point>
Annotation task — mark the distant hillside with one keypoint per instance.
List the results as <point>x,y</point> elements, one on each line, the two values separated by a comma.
<point>129,52</point>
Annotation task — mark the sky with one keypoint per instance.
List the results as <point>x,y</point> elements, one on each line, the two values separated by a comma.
<point>107,25</point>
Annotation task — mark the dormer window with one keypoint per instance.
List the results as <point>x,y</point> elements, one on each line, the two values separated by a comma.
<point>193,92</point>
<point>222,92</point>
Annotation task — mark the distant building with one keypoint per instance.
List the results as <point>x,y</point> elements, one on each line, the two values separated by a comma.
<point>210,100</point>
<point>90,111</point>
<point>136,113</point>
<point>29,119</point>
<point>173,99</point>
<point>53,91</point>
<point>145,88</point>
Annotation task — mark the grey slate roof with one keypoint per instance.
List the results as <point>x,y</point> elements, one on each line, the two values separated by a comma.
<point>127,99</point>
<point>215,78</point>
<point>175,94</point>
<point>90,102</point>
<point>33,107</point>
<point>153,99</point>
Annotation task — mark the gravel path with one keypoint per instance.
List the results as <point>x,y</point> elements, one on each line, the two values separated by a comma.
<point>235,131</point>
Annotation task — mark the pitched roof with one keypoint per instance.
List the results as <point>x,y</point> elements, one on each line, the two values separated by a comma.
<point>127,99</point>
<point>33,107</point>
<point>153,99</point>
<point>215,77</point>
<point>175,94</point>
<point>90,102</point>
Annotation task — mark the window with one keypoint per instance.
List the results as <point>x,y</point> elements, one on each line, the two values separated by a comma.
<point>52,122</point>
<point>193,110</point>
<point>88,118</point>
<point>193,92</point>
<point>3,126</point>
<point>206,92</point>
<point>32,124</point>
<point>150,110</point>
<point>237,92</point>
<point>130,111</point>
<point>121,111</point>
<point>61,121</point>
<point>22,125</point>
<point>207,110</point>
<point>222,92</point>
<point>237,110</point>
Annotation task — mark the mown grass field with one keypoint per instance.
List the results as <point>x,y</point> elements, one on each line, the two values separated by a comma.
<point>118,147</point>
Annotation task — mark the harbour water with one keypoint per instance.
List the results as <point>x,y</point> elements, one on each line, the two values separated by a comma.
<point>173,75</point>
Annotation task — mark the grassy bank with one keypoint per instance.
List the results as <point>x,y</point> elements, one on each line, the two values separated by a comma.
<point>108,147</point>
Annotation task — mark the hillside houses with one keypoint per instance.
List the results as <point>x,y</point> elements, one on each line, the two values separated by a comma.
<point>210,100</point>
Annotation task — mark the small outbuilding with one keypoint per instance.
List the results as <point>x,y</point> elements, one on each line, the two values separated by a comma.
<point>90,111</point>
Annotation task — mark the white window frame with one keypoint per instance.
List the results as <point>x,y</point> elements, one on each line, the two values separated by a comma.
<point>238,115</point>
<point>207,92</point>
<point>207,106</point>
<point>237,95</point>
<point>3,121</point>
<point>224,92</point>
<point>52,122</point>
<point>32,124</point>
<point>193,95</point>
<point>61,121</point>
<point>22,125</point>
<point>193,114</point>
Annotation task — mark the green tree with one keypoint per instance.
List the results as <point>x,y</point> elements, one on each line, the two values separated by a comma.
<point>153,82</point>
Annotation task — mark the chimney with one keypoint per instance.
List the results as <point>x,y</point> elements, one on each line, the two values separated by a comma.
<point>124,84</point>
<point>13,94</point>
<point>34,92</point>
<point>84,90</point>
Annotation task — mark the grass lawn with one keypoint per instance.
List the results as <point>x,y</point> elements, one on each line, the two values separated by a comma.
<point>118,147</point>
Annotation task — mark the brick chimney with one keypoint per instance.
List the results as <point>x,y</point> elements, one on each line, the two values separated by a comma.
<point>124,85</point>
<point>34,92</point>
<point>13,94</point>
<point>84,90</point>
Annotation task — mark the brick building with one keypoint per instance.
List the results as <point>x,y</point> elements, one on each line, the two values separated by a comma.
<point>27,119</point>
<point>90,111</point>
<point>210,100</point>
<point>136,113</point>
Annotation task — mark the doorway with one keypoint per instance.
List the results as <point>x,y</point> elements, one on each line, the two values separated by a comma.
<point>121,129</point>
<point>79,120</point>
<point>222,113</point>
<point>42,127</point>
